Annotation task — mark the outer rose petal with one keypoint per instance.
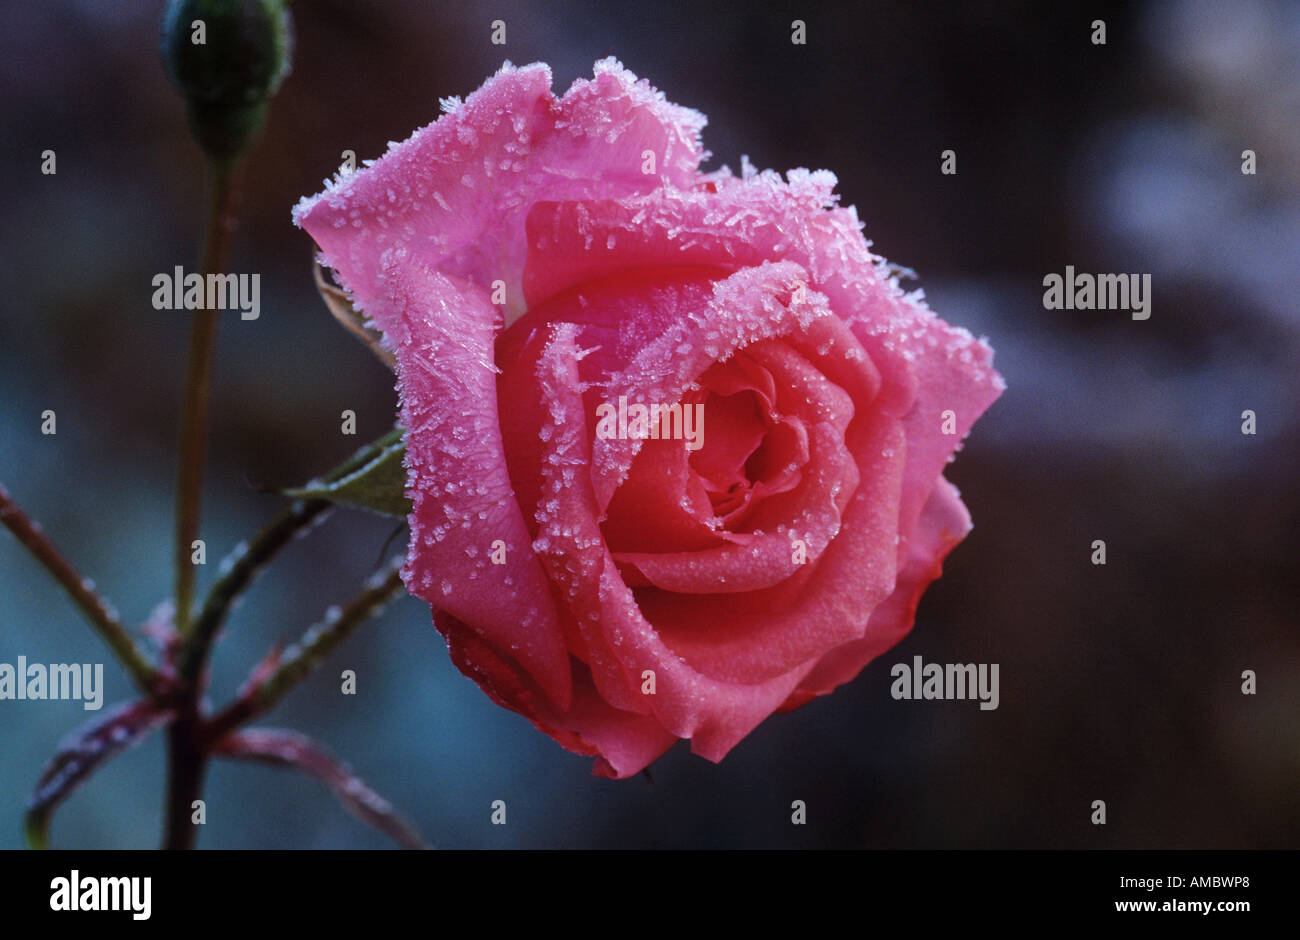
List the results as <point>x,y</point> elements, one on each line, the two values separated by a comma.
<point>953,372</point>
<point>456,191</point>
<point>457,477</point>
<point>622,742</point>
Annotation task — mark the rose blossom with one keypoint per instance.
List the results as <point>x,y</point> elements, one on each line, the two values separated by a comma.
<point>529,258</point>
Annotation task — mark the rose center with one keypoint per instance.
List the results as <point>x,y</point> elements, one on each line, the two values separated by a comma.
<point>750,450</point>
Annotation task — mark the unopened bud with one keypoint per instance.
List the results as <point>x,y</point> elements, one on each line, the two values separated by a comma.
<point>227,57</point>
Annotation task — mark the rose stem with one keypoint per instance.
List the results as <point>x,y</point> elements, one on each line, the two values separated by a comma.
<point>243,565</point>
<point>186,765</point>
<point>311,649</point>
<point>97,611</point>
<point>194,414</point>
<point>187,737</point>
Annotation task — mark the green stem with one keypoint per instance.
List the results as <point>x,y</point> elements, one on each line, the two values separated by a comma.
<point>244,564</point>
<point>242,568</point>
<point>194,415</point>
<point>97,611</point>
<point>298,661</point>
<point>36,833</point>
<point>190,737</point>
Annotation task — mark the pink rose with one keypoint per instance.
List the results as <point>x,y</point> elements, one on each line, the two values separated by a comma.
<point>530,259</point>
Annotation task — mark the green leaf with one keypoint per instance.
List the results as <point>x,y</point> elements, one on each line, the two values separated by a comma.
<point>378,485</point>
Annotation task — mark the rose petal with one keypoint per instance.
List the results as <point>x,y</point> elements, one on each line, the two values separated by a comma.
<point>457,477</point>
<point>762,559</point>
<point>623,743</point>
<point>457,190</point>
<point>753,637</point>
<point>943,523</point>
<point>547,443</point>
<point>954,372</point>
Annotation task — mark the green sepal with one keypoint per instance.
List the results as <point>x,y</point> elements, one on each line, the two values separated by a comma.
<point>378,485</point>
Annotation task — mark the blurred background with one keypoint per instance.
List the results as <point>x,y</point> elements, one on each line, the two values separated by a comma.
<point>1120,683</point>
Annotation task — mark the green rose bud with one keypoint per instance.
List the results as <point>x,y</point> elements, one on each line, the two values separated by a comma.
<point>227,57</point>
